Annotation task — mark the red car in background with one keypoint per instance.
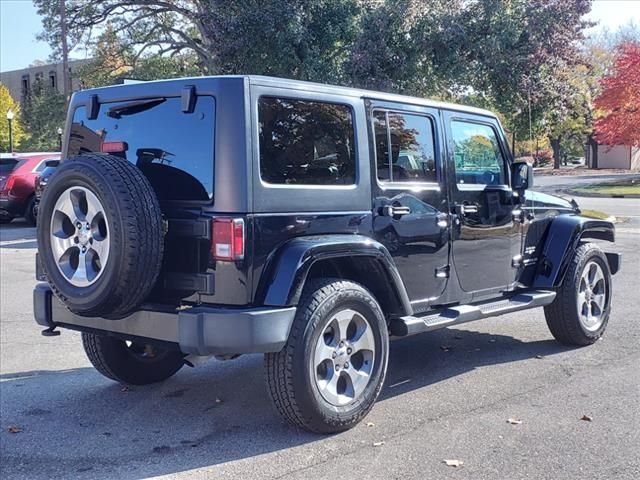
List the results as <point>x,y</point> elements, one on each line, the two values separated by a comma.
<point>18,173</point>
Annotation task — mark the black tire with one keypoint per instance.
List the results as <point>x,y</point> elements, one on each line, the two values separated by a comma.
<point>30,212</point>
<point>135,364</point>
<point>290,372</point>
<point>563,315</point>
<point>135,226</point>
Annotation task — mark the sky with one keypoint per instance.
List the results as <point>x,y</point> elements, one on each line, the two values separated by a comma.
<point>19,24</point>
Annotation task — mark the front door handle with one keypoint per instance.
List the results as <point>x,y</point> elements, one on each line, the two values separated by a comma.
<point>462,209</point>
<point>395,211</point>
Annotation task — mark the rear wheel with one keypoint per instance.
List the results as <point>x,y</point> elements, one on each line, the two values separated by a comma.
<point>580,312</point>
<point>30,212</point>
<point>130,362</point>
<point>330,372</point>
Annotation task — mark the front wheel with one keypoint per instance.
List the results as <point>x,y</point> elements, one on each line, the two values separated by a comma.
<point>580,312</point>
<point>130,362</point>
<point>330,372</point>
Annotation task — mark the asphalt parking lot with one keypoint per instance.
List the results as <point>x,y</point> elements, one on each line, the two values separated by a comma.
<point>448,395</point>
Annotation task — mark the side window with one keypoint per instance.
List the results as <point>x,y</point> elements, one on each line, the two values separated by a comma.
<point>306,142</point>
<point>405,150</point>
<point>477,155</point>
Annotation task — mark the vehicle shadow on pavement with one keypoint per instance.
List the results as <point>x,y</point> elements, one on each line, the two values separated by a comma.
<point>426,359</point>
<point>76,423</point>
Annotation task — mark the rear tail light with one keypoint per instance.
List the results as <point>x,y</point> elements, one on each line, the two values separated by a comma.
<point>227,239</point>
<point>114,147</point>
<point>10,182</point>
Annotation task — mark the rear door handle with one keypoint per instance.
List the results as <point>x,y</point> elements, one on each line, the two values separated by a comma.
<point>462,209</point>
<point>393,211</point>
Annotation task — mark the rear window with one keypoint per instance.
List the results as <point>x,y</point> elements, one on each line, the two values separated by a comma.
<point>175,150</point>
<point>306,142</point>
<point>7,165</point>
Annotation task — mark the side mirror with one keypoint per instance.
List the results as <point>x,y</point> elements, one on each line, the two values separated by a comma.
<point>522,176</point>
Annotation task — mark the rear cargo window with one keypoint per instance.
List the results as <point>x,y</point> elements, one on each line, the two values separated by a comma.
<point>305,142</point>
<point>174,150</point>
<point>7,165</point>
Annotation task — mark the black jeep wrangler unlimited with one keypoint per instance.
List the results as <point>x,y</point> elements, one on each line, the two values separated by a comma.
<point>230,215</point>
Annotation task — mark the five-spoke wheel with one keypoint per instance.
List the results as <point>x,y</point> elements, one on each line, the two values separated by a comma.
<point>330,372</point>
<point>592,296</point>
<point>344,357</point>
<point>580,311</point>
<point>79,236</point>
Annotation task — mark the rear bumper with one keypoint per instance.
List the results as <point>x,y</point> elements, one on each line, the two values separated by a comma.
<point>11,207</point>
<point>198,330</point>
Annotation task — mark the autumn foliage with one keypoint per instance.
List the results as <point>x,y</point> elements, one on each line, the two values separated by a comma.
<point>619,102</point>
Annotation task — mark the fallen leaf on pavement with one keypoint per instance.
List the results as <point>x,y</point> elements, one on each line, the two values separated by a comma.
<point>454,463</point>
<point>14,429</point>
<point>378,444</point>
<point>370,424</point>
<point>586,418</point>
<point>514,421</point>
<point>218,400</point>
<point>124,389</point>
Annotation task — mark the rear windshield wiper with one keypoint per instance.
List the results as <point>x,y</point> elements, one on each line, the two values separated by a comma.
<point>132,108</point>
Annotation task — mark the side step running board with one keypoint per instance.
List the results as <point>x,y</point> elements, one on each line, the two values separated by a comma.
<point>410,325</point>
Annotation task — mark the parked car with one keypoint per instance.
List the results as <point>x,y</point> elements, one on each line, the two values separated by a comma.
<point>231,215</point>
<point>50,167</point>
<point>17,184</point>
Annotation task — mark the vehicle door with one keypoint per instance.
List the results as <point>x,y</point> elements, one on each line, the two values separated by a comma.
<point>410,205</point>
<point>486,236</point>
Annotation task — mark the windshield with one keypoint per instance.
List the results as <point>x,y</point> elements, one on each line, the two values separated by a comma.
<point>173,149</point>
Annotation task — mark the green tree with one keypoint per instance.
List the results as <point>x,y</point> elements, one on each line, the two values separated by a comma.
<point>508,55</point>
<point>42,114</point>
<point>7,103</point>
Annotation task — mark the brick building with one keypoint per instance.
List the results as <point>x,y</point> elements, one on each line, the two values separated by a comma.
<point>20,82</point>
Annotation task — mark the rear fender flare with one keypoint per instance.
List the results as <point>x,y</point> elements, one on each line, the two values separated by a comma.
<point>563,237</point>
<point>285,274</point>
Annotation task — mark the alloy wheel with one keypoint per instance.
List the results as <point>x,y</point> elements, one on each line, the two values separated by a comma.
<point>79,236</point>
<point>344,357</point>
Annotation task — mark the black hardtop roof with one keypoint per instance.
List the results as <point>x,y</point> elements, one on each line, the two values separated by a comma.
<point>146,88</point>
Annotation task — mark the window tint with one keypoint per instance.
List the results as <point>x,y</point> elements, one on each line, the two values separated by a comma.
<point>306,142</point>
<point>7,164</point>
<point>412,152</point>
<point>173,149</point>
<point>477,155</point>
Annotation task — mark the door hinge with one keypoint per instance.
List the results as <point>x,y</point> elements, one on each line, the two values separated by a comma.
<point>442,272</point>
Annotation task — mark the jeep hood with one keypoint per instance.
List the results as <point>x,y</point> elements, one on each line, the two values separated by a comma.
<point>544,201</point>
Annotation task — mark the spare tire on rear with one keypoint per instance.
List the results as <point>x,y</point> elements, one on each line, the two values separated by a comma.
<point>100,235</point>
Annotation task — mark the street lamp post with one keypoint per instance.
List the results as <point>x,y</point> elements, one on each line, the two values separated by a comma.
<point>60,139</point>
<point>10,120</point>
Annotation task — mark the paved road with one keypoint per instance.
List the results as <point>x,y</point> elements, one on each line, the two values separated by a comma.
<point>436,404</point>
<point>551,182</point>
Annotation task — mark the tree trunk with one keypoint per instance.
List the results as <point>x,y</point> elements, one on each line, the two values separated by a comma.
<point>555,145</point>
<point>593,145</point>
<point>66,78</point>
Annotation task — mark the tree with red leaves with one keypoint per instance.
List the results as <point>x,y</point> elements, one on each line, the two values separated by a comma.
<point>619,102</point>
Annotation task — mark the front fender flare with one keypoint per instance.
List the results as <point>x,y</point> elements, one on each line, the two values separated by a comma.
<point>563,236</point>
<point>285,274</point>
